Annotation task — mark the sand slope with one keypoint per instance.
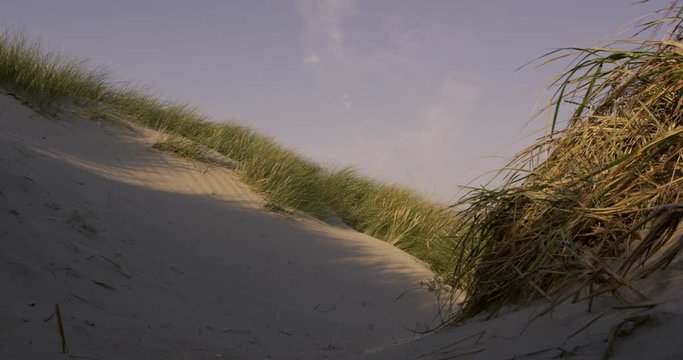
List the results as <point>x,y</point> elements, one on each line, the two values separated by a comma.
<point>154,257</point>
<point>646,329</point>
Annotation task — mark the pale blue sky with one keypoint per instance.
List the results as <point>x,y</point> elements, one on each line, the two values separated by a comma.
<point>422,93</point>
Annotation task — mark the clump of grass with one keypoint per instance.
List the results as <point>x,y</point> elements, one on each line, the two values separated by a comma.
<point>287,179</point>
<point>393,213</point>
<point>592,207</point>
<point>46,79</point>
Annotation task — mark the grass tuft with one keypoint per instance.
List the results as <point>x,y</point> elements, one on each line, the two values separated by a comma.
<point>46,79</point>
<point>592,207</point>
<point>394,214</point>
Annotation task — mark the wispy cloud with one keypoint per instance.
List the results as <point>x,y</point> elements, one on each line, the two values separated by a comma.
<point>311,58</point>
<point>429,142</point>
<point>324,20</point>
<point>419,146</point>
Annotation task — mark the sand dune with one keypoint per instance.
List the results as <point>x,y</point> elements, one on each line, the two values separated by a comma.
<point>151,256</point>
<point>154,257</point>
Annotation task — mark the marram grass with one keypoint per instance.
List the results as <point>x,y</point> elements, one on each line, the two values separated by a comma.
<point>594,206</point>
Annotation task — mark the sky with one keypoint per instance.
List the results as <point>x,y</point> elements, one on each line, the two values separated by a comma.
<point>423,93</point>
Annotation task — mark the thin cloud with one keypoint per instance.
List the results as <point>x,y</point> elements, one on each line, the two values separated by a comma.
<point>412,151</point>
<point>311,58</point>
<point>324,20</point>
<point>442,122</point>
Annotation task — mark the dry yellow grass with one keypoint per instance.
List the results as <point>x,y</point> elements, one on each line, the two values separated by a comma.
<point>592,207</point>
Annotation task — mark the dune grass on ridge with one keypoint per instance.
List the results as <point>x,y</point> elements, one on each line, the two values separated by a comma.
<point>287,179</point>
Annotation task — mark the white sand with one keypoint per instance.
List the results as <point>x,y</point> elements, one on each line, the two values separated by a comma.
<point>569,331</point>
<point>197,269</point>
<point>155,257</point>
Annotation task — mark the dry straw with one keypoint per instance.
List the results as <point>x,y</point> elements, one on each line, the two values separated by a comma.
<point>593,206</point>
